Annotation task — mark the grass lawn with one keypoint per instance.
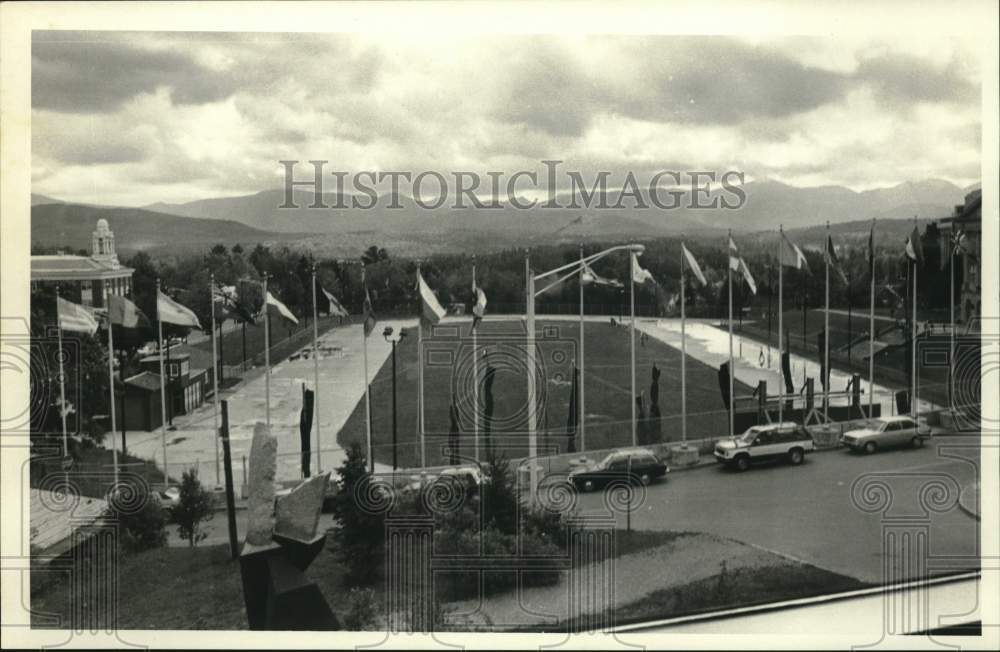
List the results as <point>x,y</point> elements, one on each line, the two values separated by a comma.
<point>92,473</point>
<point>448,374</point>
<point>200,588</point>
<point>742,587</point>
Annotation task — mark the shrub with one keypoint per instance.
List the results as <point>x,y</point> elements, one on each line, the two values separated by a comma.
<point>361,533</point>
<point>193,507</point>
<point>143,529</point>
<point>362,610</point>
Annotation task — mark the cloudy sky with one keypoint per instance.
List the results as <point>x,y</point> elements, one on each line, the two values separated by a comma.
<point>134,118</point>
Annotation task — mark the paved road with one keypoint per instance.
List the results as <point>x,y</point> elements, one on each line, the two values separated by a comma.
<point>807,512</point>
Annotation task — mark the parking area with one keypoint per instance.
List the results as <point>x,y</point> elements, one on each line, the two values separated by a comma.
<point>836,511</point>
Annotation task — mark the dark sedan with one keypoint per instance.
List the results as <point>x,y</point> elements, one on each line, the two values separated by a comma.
<point>632,465</point>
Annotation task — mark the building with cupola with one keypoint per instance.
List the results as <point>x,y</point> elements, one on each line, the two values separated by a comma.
<point>88,280</point>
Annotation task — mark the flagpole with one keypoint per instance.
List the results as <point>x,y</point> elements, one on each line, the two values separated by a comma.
<point>475,369</point>
<point>111,382</point>
<point>420,379</point>
<point>215,379</point>
<point>826,333</point>
<point>631,294</point>
<point>368,398</point>
<point>781,332</point>
<point>163,385</point>
<point>583,412</point>
<point>913,330</point>
<point>267,357</point>
<point>319,441</point>
<point>732,399</point>
<point>530,367</point>
<point>684,422</point>
<point>951,309</point>
<point>871,328</point>
<point>62,379</point>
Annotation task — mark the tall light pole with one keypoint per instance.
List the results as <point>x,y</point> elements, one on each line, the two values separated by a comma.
<point>561,273</point>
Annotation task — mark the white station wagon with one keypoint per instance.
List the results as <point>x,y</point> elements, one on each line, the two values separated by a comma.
<point>886,432</point>
<point>776,441</point>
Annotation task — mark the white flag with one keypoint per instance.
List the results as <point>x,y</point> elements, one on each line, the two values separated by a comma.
<point>734,255</point>
<point>693,264</point>
<point>430,308</point>
<point>639,275</point>
<point>282,308</point>
<point>748,276</point>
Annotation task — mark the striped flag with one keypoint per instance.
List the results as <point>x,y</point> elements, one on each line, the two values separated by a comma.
<point>282,308</point>
<point>369,313</point>
<point>334,307</point>
<point>734,255</point>
<point>832,260</point>
<point>171,312</point>
<point>126,314</point>
<point>74,317</point>
<point>693,264</point>
<point>959,243</point>
<point>430,309</point>
<point>790,255</point>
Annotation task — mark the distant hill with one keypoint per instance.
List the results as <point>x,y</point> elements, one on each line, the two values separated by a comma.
<point>768,204</point>
<point>43,199</point>
<point>71,225</point>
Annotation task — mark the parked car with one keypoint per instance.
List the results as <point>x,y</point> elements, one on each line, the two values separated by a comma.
<point>886,432</point>
<point>634,465</point>
<point>169,498</point>
<point>775,441</point>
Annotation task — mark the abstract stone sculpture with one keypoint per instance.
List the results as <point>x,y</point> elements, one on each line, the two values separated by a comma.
<point>280,544</point>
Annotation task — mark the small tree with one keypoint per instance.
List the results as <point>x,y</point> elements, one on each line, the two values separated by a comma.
<point>360,535</point>
<point>143,529</point>
<point>194,506</point>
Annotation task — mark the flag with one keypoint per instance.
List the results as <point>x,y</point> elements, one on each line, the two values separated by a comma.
<point>479,309</point>
<point>234,304</point>
<point>734,255</point>
<point>126,314</point>
<point>748,276</point>
<point>654,405</point>
<point>786,372</point>
<point>724,383</point>
<point>574,413</point>
<point>171,312</point>
<point>305,428</point>
<point>369,313</point>
<point>282,308</point>
<point>824,373</point>
<point>74,317</point>
<point>959,242</point>
<point>430,309</point>
<point>832,260</point>
<point>790,255</point>
<point>639,275</point>
<point>223,301</point>
<point>453,435</point>
<point>914,250</point>
<point>590,276</point>
<point>488,379</point>
<point>332,307</point>
<point>871,247</point>
<point>693,264</point>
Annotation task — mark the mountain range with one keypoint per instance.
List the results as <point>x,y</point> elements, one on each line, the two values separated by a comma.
<point>419,231</point>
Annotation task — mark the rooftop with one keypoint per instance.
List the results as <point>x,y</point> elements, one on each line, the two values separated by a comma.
<point>145,380</point>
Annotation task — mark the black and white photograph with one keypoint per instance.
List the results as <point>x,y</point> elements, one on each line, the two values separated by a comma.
<point>394,324</point>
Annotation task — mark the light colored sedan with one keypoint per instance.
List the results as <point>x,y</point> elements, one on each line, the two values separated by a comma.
<point>887,432</point>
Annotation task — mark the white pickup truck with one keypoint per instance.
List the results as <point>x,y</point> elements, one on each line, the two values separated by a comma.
<point>775,441</point>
